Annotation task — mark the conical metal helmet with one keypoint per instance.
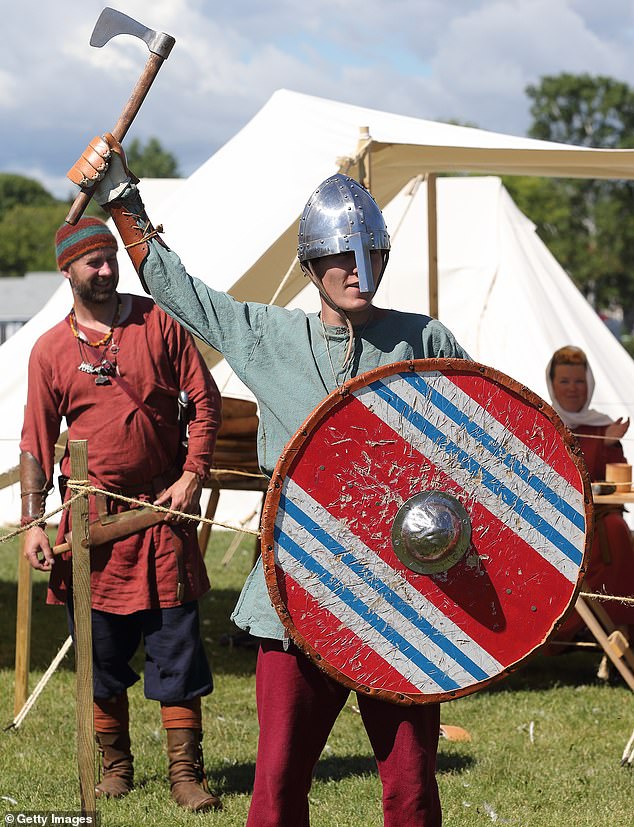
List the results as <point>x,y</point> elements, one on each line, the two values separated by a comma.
<point>341,216</point>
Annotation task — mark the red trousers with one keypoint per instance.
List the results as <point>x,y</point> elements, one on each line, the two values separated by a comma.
<point>297,708</point>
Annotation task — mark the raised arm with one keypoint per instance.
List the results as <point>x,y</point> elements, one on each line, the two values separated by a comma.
<point>214,316</point>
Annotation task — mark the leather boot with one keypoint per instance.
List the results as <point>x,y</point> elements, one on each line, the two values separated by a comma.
<point>116,764</point>
<point>188,781</point>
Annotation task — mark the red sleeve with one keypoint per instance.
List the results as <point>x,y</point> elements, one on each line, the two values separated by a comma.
<point>41,415</point>
<point>204,401</point>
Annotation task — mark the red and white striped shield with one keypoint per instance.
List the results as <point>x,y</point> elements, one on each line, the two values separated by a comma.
<point>365,612</point>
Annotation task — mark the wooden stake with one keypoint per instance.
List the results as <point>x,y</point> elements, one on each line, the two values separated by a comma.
<point>22,631</point>
<point>83,631</point>
<point>600,625</point>
<point>204,532</point>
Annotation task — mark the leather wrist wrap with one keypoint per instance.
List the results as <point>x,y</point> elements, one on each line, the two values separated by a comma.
<point>33,488</point>
<point>133,225</point>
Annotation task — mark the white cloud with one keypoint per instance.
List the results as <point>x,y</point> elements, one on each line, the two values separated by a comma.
<point>7,89</point>
<point>466,59</point>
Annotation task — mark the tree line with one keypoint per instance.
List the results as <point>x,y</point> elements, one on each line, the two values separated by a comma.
<point>588,224</point>
<point>30,215</point>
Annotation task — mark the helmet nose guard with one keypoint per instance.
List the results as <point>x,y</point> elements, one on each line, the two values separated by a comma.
<point>341,216</point>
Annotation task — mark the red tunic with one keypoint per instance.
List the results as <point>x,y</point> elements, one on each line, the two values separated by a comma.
<point>611,563</point>
<point>156,357</point>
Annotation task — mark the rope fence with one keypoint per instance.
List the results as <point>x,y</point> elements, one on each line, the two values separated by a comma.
<point>80,489</point>
<point>83,488</point>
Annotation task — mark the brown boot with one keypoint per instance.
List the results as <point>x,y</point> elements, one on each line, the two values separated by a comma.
<point>188,782</point>
<point>116,764</point>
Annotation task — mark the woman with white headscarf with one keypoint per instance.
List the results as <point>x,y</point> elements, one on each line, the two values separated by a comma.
<point>611,564</point>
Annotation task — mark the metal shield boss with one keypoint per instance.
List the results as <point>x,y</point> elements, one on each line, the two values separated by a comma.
<point>425,530</point>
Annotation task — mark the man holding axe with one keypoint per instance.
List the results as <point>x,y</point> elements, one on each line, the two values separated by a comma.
<point>291,362</point>
<point>114,369</point>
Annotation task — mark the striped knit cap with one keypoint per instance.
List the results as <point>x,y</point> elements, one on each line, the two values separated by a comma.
<point>73,242</point>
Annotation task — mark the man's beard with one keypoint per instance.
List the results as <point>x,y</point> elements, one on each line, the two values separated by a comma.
<point>94,293</point>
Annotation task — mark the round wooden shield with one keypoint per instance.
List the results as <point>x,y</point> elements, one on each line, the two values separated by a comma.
<point>425,530</point>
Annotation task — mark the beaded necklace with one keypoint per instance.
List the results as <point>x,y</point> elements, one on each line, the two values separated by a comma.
<point>103,367</point>
<point>104,339</point>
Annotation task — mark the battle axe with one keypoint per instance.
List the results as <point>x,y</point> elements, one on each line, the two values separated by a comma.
<point>110,24</point>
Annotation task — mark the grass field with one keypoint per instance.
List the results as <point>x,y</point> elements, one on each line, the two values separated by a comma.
<point>545,750</point>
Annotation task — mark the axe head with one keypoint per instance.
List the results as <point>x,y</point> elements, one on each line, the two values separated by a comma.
<point>112,23</point>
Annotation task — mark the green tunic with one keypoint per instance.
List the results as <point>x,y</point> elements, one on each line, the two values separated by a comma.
<point>290,362</point>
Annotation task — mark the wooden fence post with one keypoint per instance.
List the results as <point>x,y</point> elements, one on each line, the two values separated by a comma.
<point>83,630</point>
<point>22,631</point>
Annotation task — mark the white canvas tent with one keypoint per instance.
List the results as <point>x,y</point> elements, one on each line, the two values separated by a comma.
<point>234,222</point>
<point>239,226</point>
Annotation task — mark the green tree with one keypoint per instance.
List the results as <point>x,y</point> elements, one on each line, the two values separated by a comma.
<point>151,160</point>
<point>583,110</point>
<point>29,218</point>
<point>27,234</point>
<point>587,224</point>
<point>30,215</point>
<point>18,190</point>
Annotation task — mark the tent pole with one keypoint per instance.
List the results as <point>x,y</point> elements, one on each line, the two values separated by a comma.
<point>364,155</point>
<point>432,243</point>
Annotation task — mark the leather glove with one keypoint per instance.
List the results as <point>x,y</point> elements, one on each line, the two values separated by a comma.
<point>103,167</point>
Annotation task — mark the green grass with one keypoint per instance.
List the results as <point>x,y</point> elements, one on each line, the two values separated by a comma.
<point>545,750</point>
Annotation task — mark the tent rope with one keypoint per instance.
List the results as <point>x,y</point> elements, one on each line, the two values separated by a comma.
<point>30,701</point>
<point>284,280</point>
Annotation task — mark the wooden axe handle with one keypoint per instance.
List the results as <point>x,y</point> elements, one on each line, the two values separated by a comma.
<point>120,129</point>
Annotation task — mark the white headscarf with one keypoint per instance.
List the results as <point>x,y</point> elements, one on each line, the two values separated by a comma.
<point>587,415</point>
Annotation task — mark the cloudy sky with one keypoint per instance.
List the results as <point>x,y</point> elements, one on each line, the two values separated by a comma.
<point>468,60</point>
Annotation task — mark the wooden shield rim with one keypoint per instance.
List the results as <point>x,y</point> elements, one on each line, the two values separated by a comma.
<point>288,455</point>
